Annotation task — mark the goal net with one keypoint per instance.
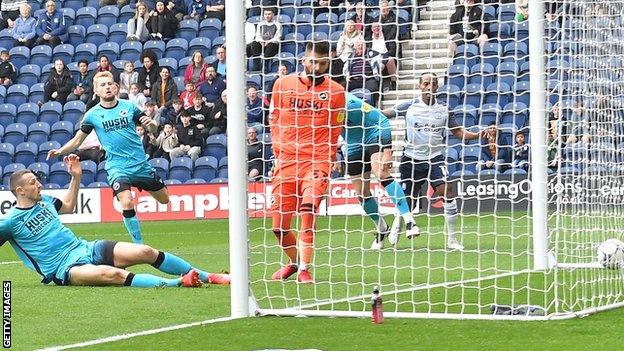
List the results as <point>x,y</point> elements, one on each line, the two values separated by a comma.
<point>535,195</point>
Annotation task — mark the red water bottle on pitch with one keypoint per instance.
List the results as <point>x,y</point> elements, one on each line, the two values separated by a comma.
<point>377,307</point>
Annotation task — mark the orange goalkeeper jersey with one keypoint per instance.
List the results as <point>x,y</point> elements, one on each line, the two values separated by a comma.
<point>306,120</point>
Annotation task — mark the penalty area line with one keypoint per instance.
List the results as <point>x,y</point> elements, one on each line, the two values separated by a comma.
<point>132,335</point>
<point>10,262</point>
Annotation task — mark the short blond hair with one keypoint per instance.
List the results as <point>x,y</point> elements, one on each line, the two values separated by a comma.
<point>100,75</point>
<point>27,7</point>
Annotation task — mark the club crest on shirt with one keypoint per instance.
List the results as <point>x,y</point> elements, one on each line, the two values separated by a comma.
<point>323,96</point>
<point>123,112</point>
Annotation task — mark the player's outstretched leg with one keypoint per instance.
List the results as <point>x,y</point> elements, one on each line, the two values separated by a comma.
<point>129,214</point>
<point>371,208</point>
<point>101,275</point>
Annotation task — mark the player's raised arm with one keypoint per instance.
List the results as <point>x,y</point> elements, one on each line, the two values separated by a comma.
<point>398,110</point>
<point>75,170</point>
<point>70,146</point>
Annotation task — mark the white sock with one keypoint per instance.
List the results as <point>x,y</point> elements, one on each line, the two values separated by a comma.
<point>407,217</point>
<point>381,224</point>
<point>450,217</point>
<point>303,267</point>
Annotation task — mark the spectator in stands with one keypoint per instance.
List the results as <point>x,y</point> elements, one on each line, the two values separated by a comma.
<point>167,140</point>
<point>24,29</point>
<point>196,9</point>
<point>362,70</point>
<point>387,50</point>
<point>267,39</point>
<point>521,152</point>
<point>151,111</point>
<point>282,70</point>
<point>336,67</point>
<point>177,8</point>
<point>554,118</point>
<point>59,84</point>
<point>346,43</point>
<point>91,149</point>
<point>349,5</point>
<point>199,113</point>
<point>106,65</point>
<point>126,78</point>
<point>165,90</point>
<point>255,113</point>
<point>8,72</point>
<point>492,155</point>
<point>51,26</point>
<point>137,25</point>
<point>119,3</point>
<point>255,155</point>
<point>188,95</point>
<point>522,10</point>
<point>145,137</point>
<point>148,75</point>
<point>578,125</point>
<point>467,26</point>
<point>219,64</point>
<point>361,18</point>
<point>212,88</point>
<point>216,9</point>
<point>9,12</point>
<point>135,95</point>
<point>389,23</point>
<point>324,6</point>
<point>218,116</point>
<point>190,140</point>
<point>174,113</point>
<point>83,89</point>
<point>196,70</point>
<point>162,23</point>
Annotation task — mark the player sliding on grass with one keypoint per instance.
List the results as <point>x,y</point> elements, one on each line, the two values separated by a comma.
<point>114,122</point>
<point>369,148</point>
<point>306,118</point>
<point>46,246</point>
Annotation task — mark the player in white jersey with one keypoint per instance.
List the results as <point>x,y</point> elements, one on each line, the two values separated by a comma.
<point>426,122</point>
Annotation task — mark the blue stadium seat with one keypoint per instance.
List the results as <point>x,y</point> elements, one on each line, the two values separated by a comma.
<point>17,94</point>
<point>457,76</point>
<point>20,55</point>
<point>293,43</point>
<point>507,72</point>
<point>108,15</point>
<point>8,112</point>
<point>63,52</point>
<point>522,31</point>
<point>500,31</point>
<point>488,172</point>
<point>118,32</point>
<point>76,34</point>
<point>202,45</point>
<point>516,49</point>
<point>287,7</point>
<point>507,12</point>
<point>29,75</point>
<point>188,29</point>
<point>334,37</point>
<point>449,94</point>
<point>7,151</point>
<point>172,182</point>
<point>206,168</point>
<point>284,58</point>
<point>73,4</point>
<point>305,7</point>
<point>73,111</point>
<point>61,132</point>
<point>195,181</point>
<point>25,153</point>
<point>182,64</point>
<point>254,80</point>
<point>465,115</point>
<point>489,114</point>
<point>489,13</point>
<point>51,185</point>
<point>482,73</point>
<point>102,175</point>
<point>171,63</point>
<point>470,156</point>
<point>179,80</point>
<point>522,92</point>
<point>303,24</point>
<point>492,53</point>
<point>27,113</point>
<point>10,169</point>
<point>110,49</point>
<point>467,54</point>
<point>216,43</point>
<point>125,14</point>
<point>180,168</point>
<point>38,133</point>
<point>157,46</point>
<point>216,146</point>
<point>45,72</point>
<point>50,112</point>
<point>15,133</point>
<point>286,22</point>
<point>3,93</point>
<point>515,113</point>
<point>69,15</point>
<point>98,184</point>
<point>210,59</point>
<point>42,155</point>
<point>219,181</point>
<point>97,34</point>
<point>131,51</point>
<point>223,172</point>
<point>176,48</point>
<point>210,28</point>
<point>317,36</point>
<point>41,170</point>
<point>89,171</point>
<point>325,22</point>
<point>86,16</point>
<point>161,165</point>
<point>58,173</point>
<point>86,51</point>
<point>36,93</point>
<point>6,38</point>
<point>452,159</point>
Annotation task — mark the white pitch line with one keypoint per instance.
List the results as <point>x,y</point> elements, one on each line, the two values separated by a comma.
<point>132,335</point>
<point>10,262</point>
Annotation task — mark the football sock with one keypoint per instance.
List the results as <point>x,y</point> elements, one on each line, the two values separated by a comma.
<point>371,208</point>
<point>171,264</point>
<point>397,195</point>
<point>132,225</point>
<point>450,217</point>
<point>288,241</point>
<point>150,281</point>
<point>306,236</point>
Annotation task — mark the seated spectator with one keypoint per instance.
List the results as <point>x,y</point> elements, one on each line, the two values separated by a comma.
<point>151,111</point>
<point>59,84</point>
<point>136,96</point>
<point>521,152</point>
<point>493,156</point>
<point>119,3</point>
<point>266,41</point>
<point>126,78</point>
<point>196,9</point>
<point>148,75</point>
<point>282,70</point>
<point>361,18</point>
<point>196,71</point>
<point>162,23</point>
<point>216,9</point>
<point>255,155</point>
<point>212,88</point>
<point>83,89</point>
<point>91,149</point>
<point>188,95</point>
<point>336,67</point>
<point>146,137</point>
<point>9,12</point>
<point>106,66</point>
<point>219,65</point>
<point>218,116</point>
<point>389,24</point>
<point>346,43</point>
<point>167,140</point>
<point>522,10</point>
<point>51,27</point>
<point>387,50</point>
<point>137,25</point>
<point>190,140</point>
<point>24,29</point>
<point>255,112</point>
<point>363,69</point>
<point>467,26</point>
<point>578,125</point>
<point>8,72</point>
<point>178,9</point>
<point>199,113</point>
<point>174,113</point>
<point>165,90</point>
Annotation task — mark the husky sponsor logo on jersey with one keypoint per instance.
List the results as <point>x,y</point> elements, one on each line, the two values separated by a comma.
<point>115,124</point>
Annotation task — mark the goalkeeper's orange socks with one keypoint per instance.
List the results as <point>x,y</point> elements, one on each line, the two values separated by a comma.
<point>132,225</point>
<point>306,238</point>
<point>288,241</point>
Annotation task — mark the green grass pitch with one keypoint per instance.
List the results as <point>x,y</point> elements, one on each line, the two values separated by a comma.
<point>45,316</point>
